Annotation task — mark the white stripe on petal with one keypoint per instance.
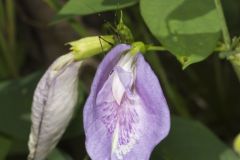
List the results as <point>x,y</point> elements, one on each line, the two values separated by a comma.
<point>118,89</point>
<point>118,85</point>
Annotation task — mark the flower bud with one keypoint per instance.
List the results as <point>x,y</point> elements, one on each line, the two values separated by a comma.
<point>53,106</point>
<point>90,46</point>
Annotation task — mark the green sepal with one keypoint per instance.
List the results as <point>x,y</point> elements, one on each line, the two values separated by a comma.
<point>138,47</point>
<point>90,46</point>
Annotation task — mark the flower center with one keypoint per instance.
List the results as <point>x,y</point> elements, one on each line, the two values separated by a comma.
<point>116,107</point>
<point>121,122</point>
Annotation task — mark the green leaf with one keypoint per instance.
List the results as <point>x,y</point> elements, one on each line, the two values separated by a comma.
<point>190,140</point>
<point>3,69</point>
<point>189,29</point>
<point>5,145</point>
<point>56,154</point>
<point>228,155</point>
<point>2,15</point>
<point>85,7</point>
<point>16,98</point>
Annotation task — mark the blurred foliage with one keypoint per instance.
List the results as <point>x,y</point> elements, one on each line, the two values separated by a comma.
<point>236,144</point>
<point>190,140</point>
<point>4,147</point>
<point>16,95</point>
<point>10,61</point>
<point>206,91</point>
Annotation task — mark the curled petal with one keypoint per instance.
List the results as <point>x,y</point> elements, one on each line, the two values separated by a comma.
<point>156,117</point>
<point>98,142</point>
<point>103,72</point>
<point>53,105</point>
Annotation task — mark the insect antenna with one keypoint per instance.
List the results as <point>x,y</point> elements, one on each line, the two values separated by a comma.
<point>108,27</point>
<point>111,29</point>
<point>116,22</point>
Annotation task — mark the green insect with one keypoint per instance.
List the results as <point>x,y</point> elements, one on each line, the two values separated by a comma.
<point>122,33</point>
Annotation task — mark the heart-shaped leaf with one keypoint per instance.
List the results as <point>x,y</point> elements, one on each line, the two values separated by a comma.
<point>189,29</point>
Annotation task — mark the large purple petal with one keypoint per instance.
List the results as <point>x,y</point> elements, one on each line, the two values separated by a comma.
<point>126,114</point>
<point>94,128</point>
<point>157,116</point>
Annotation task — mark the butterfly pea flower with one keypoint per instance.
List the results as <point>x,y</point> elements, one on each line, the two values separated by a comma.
<point>126,114</point>
<point>53,106</point>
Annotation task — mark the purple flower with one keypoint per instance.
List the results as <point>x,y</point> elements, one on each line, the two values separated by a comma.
<point>126,114</point>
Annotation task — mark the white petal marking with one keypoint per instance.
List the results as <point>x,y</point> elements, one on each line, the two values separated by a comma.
<point>118,89</point>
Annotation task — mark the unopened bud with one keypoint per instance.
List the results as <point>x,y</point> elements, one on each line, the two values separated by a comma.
<point>53,106</point>
<point>90,46</point>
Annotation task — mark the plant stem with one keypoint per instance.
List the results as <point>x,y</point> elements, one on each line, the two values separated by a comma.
<point>7,43</point>
<point>53,4</point>
<point>155,48</point>
<point>1,16</point>
<point>175,99</point>
<point>225,32</point>
<point>7,57</point>
<point>161,48</point>
<point>10,22</point>
<point>227,39</point>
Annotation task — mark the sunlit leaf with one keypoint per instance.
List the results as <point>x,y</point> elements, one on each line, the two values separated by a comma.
<point>84,7</point>
<point>189,29</point>
<point>16,99</point>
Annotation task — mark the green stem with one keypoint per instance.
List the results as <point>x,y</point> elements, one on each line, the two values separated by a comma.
<point>8,43</point>
<point>10,22</point>
<point>227,39</point>
<point>161,48</point>
<point>226,35</point>
<point>174,97</point>
<point>155,48</point>
<point>2,16</point>
<point>53,4</point>
<point>7,57</point>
